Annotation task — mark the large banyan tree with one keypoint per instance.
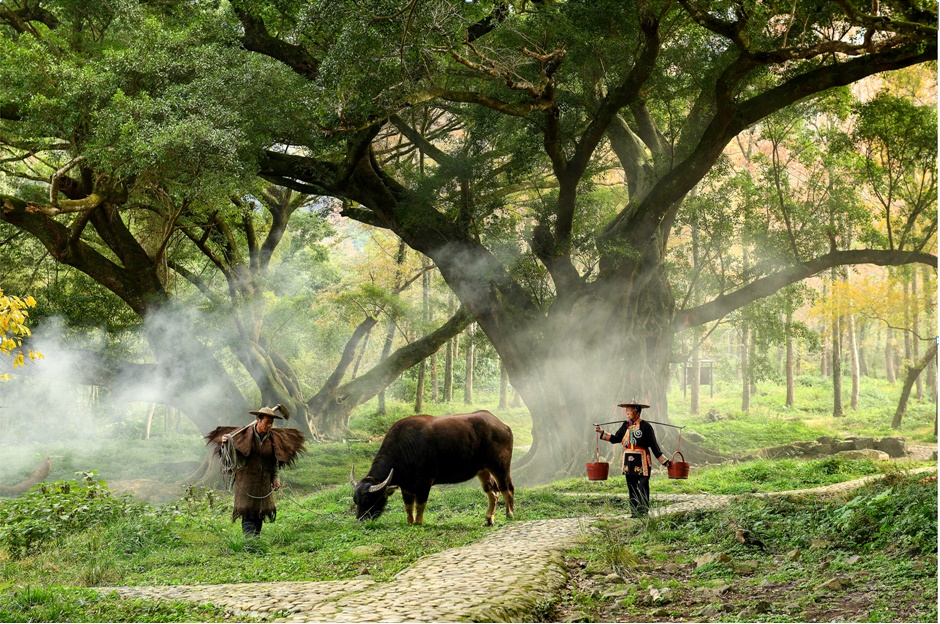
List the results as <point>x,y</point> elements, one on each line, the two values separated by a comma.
<point>517,109</point>
<point>542,153</point>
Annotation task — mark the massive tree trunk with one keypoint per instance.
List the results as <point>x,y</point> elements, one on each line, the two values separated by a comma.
<point>608,343</point>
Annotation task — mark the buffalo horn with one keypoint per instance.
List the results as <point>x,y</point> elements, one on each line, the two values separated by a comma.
<point>352,476</point>
<point>378,487</point>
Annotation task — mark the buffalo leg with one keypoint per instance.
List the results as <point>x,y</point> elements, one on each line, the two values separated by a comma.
<point>419,513</point>
<point>409,499</point>
<point>490,487</point>
<point>421,501</point>
<point>509,499</point>
<point>504,483</point>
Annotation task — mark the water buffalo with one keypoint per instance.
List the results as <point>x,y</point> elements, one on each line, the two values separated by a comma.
<point>419,451</point>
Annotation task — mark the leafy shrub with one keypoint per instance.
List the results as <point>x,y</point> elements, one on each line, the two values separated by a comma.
<point>903,515</point>
<point>55,509</point>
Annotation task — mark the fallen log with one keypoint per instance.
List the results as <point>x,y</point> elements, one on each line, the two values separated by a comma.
<point>38,476</point>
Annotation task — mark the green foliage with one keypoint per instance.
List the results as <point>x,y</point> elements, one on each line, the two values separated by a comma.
<point>897,513</point>
<point>55,509</point>
<point>901,514</point>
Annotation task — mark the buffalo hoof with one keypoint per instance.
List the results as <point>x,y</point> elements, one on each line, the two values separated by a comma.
<point>488,522</point>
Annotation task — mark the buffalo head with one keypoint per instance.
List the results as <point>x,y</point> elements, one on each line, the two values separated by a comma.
<point>370,497</point>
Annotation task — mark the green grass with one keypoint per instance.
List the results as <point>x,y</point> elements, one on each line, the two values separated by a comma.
<point>70,604</point>
<point>881,542</point>
<point>769,422</point>
<point>194,541</point>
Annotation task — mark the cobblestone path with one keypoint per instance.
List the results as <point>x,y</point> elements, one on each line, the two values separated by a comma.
<point>500,578</point>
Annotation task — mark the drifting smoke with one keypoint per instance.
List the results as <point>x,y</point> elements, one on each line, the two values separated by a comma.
<point>48,408</point>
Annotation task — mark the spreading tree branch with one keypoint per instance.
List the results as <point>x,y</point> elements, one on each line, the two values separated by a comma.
<point>769,284</point>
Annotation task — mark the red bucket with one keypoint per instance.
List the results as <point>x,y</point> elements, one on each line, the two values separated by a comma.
<point>597,471</point>
<point>678,469</point>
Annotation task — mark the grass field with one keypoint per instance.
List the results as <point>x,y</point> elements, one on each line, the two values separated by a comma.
<point>73,533</point>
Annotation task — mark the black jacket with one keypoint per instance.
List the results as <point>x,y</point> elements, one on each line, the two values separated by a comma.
<point>643,439</point>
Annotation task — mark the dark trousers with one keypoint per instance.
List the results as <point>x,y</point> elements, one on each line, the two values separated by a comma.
<point>251,525</point>
<point>639,488</point>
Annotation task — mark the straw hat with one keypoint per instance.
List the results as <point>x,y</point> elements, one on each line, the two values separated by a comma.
<point>272,411</point>
<point>634,404</point>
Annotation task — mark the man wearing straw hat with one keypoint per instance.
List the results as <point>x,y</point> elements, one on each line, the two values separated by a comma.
<point>639,447</point>
<point>252,457</point>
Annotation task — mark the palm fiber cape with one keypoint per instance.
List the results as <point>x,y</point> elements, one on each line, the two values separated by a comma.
<point>254,481</point>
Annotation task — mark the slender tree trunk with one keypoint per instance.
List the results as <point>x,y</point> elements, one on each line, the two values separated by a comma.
<point>889,356</point>
<point>745,369</point>
<point>930,309</point>
<point>915,330</point>
<point>449,369</point>
<point>386,349</point>
<point>400,258</point>
<point>468,373</point>
<point>863,370</point>
<point>435,382</point>
<point>426,305</point>
<point>791,384</point>
<point>419,389</point>
<point>854,359</point>
<point>836,321</point>
<point>695,388</point>
<point>149,420</point>
<point>906,305</point>
<point>362,352</point>
<point>752,359</point>
<point>912,373</point>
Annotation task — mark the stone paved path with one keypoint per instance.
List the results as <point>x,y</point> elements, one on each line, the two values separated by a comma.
<point>499,578</point>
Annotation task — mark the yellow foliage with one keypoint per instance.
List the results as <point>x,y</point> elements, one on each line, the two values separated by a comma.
<point>13,316</point>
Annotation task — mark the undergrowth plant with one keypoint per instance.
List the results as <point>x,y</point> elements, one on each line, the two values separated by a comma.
<point>55,509</point>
